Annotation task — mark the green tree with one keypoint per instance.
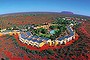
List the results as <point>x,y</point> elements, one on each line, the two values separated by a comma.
<point>52,37</point>
<point>0,28</point>
<point>53,27</point>
<point>50,51</point>
<point>42,30</point>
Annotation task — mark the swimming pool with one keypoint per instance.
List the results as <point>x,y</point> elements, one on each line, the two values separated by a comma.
<point>52,32</point>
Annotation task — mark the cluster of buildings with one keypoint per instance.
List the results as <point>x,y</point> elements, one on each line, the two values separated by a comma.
<point>13,32</point>
<point>32,40</point>
<point>73,18</point>
<point>46,26</point>
<point>29,39</point>
<point>65,39</point>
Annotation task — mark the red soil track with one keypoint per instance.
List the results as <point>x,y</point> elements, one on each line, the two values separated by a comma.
<point>45,47</point>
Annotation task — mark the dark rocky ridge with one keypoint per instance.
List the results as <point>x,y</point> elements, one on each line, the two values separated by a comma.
<point>66,12</point>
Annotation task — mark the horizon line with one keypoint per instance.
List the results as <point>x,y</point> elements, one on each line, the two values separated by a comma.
<point>42,12</point>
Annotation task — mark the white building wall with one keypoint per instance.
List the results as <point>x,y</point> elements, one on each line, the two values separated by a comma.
<point>61,42</point>
<point>74,36</point>
<point>68,39</point>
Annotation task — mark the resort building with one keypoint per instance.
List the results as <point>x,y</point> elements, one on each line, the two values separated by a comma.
<point>13,32</point>
<point>29,39</point>
<point>65,39</point>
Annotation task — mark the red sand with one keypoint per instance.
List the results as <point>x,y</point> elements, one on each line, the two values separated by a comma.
<point>45,47</point>
<point>83,29</point>
<point>26,58</point>
<point>16,58</point>
<point>9,55</point>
